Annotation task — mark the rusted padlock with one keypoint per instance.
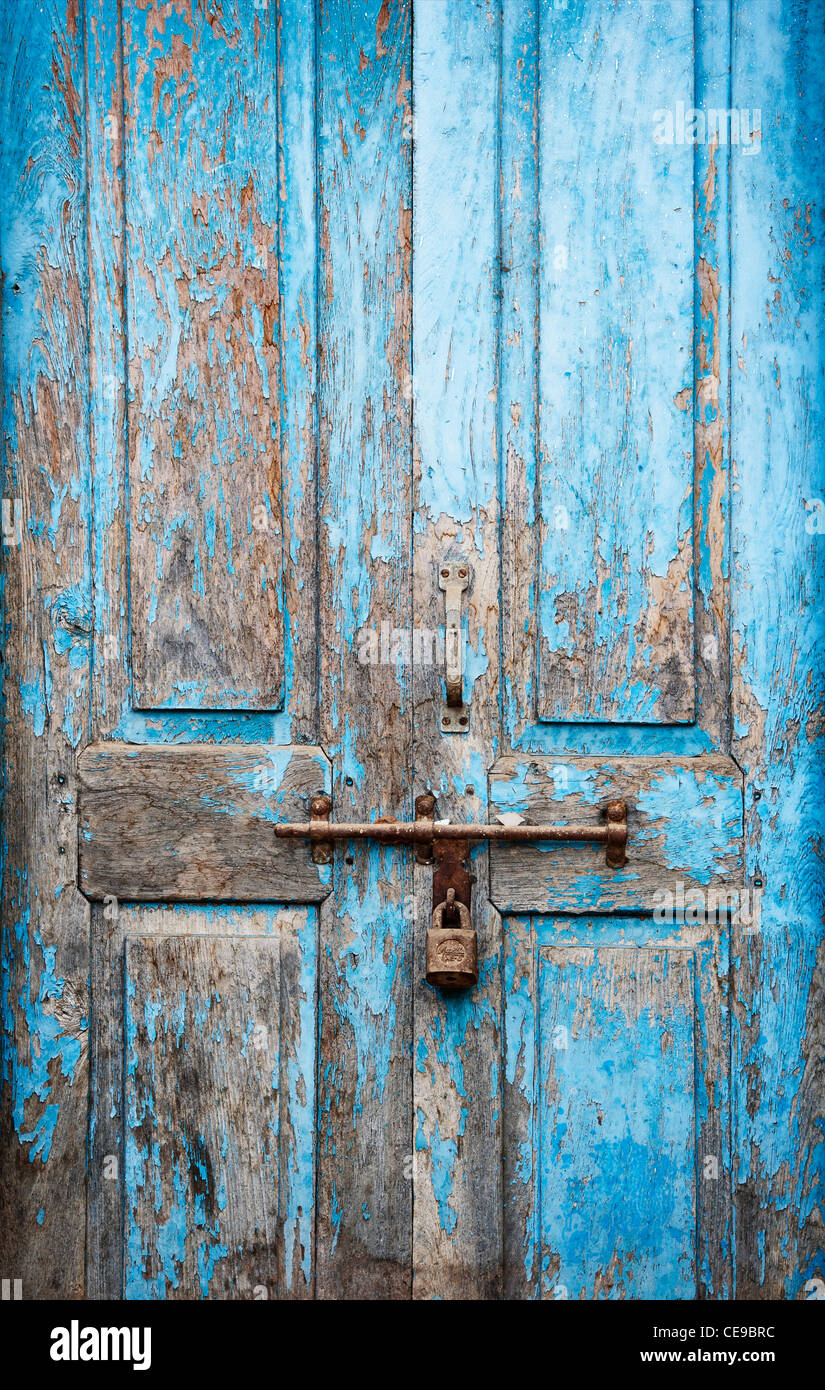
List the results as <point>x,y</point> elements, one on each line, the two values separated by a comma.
<point>452,951</point>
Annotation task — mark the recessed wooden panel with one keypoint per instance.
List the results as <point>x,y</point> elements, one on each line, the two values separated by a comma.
<point>616,1123</point>
<point>205,1078</point>
<point>684,831</point>
<point>616,1086</point>
<point>206,1022</point>
<point>201,155</point>
<point>195,823</point>
<point>615,363</point>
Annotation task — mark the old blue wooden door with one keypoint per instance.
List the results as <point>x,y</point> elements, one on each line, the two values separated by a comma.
<point>303,303</point>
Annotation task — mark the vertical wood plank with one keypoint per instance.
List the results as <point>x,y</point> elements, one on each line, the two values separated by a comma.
<point>46,626</point>
<point>456,1081</point>
<point>711,395</point>
<point>522,1258</point>
<point>107,365</point>
<point>202,249</point>
<point>298,1103</point>
<point>299,360</point>
<point>616,321</point>
<point>518,386</point>
<point>778,544</point>
<point>105,1164</point>
<point>364,1196</point>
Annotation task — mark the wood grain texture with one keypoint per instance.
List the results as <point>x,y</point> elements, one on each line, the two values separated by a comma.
<point>297,268</point>
<point>107,366</point>
<point>518,360</point>
<point>365,1141</point>
<point>195,823</point>
<point>201,1118</point>
<point>523,25</point>
<point>684,831</point>
<point>778,544</point>
<point>615,373</point>
<point>203,1124</point>
<point>407,355</point>
<point>456,1085</point>
<point>711,392</point>
<point>202,250</point>
<point>617,1150</point>
<point>46,623</point>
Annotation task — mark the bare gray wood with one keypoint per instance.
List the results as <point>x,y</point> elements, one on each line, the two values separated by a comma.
<point>201,1116</point>
<point>194,823</point>
<point>684,818</point>
<point>263,1085</point>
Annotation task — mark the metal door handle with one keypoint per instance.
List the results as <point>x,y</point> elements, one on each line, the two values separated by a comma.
<point>453,578</point>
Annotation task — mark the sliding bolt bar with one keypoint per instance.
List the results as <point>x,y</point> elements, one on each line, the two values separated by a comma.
<point>613,834</point>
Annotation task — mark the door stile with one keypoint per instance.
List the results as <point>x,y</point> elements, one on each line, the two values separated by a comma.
<point>107,366</point>
<point>46,625</point>
<point>778,547</point>
<point>457,1039</point>
<point>287,47</point>
<point>364,1209</point>
<point>712,379</point>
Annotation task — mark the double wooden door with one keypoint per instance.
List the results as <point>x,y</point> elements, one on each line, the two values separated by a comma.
<point>372,290</point>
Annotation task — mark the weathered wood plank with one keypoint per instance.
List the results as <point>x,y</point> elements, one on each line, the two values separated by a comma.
<point>616,1127</point>
<point>193,823</point>
<point>456,1080</point>
<point>615,373</point>
<point>518,386</point>
<point>46,624</point>
<point>364,128</point>
<point>778,544</point>
<point>711,395</point>
<point>107,366</point>
<point>242,1221</point>
<point>202,1117</point>
<point>522,1271</point>
<point>684,832</point>
<point>299,363</point>
<point>202,247</point>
